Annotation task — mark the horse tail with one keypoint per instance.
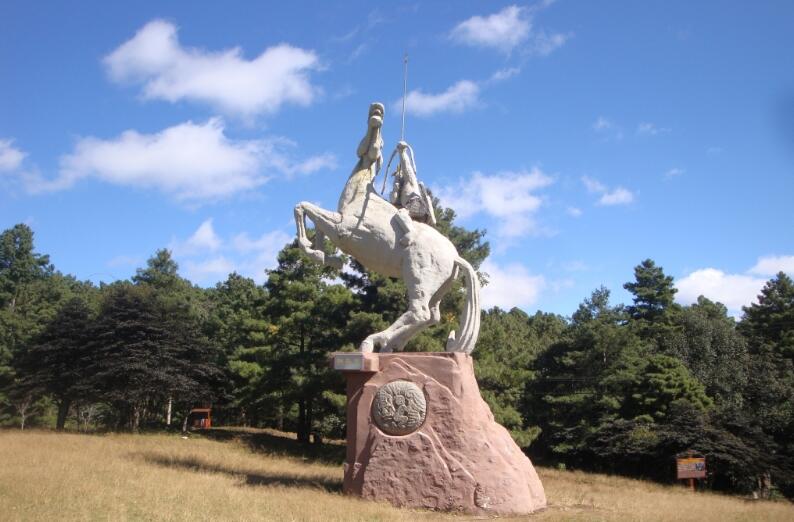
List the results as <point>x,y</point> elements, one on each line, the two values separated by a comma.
<point>470,318</point>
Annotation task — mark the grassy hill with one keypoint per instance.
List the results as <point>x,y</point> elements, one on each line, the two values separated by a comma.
<point>265,475</point>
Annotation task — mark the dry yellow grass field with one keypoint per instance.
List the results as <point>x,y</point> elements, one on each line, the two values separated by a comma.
<point>257,475</point>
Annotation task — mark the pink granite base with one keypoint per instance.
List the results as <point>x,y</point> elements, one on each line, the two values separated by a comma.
<point>459,459</point>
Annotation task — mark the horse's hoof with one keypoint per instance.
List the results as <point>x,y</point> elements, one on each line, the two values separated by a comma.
<point>366,346</point>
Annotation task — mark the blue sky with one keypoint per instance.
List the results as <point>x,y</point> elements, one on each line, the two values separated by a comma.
<point>584,136</point>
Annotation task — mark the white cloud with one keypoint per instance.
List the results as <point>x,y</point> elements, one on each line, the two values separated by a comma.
<point>503,30</point>
<point>504,74</point>
<point>674,172</point>
<point>732,290</point>
<point>192,162</point>
<point>155,58</point>
<point>266,244</point>
<point>508,196</point>
<point>574,211</point>
<point>459,97</point>
<point>204,239</point>
<point>358,52</point>
<point>209,270</point>
<point>770,265</point>
<point>315,163</point>
<point>346,37</point>
<point>602,124</point>
<point>10,157</point>
<point>616,196</point>
<point>608,129</point>
<point>649,129</point>
<point>544,44</point>
<point>506,30</point>
<point>510,285</point>
<point>593,185</point>
<point>208,258</point>
<point>258,254</point>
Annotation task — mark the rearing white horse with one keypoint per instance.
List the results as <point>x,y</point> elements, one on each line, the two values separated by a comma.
<point>369,228</point>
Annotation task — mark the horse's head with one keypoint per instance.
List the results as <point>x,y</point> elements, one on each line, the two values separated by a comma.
<point>376,109</point>
<point>376,115</point>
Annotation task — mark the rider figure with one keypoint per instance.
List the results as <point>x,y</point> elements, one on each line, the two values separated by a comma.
<point>409,195</point>
<point>369,150</point>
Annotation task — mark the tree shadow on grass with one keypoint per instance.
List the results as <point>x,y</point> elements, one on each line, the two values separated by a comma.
<point>251,478</point>
<point>268,443</point>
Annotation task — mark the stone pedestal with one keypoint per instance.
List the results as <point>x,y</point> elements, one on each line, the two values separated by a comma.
<point>420,435</point>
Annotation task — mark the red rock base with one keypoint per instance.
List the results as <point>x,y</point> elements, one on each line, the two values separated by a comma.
<point>457,459</point>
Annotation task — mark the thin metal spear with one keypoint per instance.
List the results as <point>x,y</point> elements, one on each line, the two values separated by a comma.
<point>405,93</point>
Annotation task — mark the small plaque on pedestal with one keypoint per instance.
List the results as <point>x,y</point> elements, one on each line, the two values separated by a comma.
<point>354,362</point>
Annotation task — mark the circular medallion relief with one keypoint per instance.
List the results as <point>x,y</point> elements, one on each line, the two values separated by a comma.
<point>399,408</point>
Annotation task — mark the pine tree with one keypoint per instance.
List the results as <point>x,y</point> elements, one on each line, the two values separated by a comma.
<point>653,310</point>
<point>603,382</point>
<point>769,394</point>
<point>58,361</point>
<point>173,291</point>
<point>707,342</point>
<point>577,383</point>
<point>144,355</point>
<point>19,264</point>
<point>508,344</point>
<point>769,324</point>
<point>238,323</point>
<point>20,268</point>
<point>653,292</point>
<point>308,321</point>
<point>31,292</point>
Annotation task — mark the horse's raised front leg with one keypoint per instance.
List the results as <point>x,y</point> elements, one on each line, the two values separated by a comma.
<point>325,224</point>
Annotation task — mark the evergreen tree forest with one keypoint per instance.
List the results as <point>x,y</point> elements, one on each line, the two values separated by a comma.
<point>613,388</point>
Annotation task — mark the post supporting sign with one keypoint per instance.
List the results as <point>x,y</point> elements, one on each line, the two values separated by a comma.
<point>691,467</point>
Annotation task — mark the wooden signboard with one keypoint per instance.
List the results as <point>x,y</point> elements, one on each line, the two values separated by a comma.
<point>691,467</point>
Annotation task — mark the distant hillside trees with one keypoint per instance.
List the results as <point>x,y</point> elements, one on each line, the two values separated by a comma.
<point>615,388</point>
<point>626,389</point>
<point>130,348</point>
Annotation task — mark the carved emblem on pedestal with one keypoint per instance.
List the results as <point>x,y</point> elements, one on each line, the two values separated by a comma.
<point>399,408</point>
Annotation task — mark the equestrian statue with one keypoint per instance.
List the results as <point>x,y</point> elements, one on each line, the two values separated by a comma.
<point>395,238</point>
